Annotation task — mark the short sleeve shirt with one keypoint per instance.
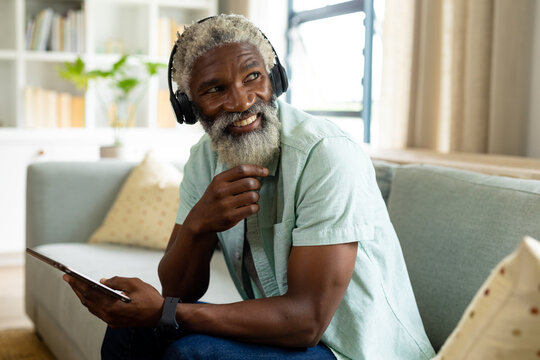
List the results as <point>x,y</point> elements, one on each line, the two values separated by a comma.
<point>321,190</point>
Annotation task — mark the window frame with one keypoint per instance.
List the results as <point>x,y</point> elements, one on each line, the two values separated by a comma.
<point>295,19</point>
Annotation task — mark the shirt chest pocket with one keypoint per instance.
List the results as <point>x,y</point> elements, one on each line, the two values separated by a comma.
<point>282,250</point>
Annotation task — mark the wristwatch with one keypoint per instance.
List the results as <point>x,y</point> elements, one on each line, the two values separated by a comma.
<point>167,327</point>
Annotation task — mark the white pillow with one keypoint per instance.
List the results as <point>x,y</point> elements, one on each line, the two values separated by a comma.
<point>144,211</point>
<point>503,319</point>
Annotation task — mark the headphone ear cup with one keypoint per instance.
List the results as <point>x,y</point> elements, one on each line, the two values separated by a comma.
<point>176,108</point>
<point>278,78</point>
<point>275,79</point>
<point>283,77</point>
<point>186,108</point>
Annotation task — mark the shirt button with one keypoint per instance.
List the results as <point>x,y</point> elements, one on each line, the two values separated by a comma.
<point>237,255</point>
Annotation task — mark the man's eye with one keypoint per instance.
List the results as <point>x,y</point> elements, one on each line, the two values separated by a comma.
<point>215,89</point>
<point>253,76</point>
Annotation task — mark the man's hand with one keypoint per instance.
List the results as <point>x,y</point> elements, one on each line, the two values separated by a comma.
<point>184,270</point>
<point>231,197</point>
<point>143,310</point>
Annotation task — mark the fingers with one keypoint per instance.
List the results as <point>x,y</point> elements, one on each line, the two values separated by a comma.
<point>230,197</point>
<point>243,171</point>
<point>89,295</point>
<point>244,199</point>
<point>245,211</point>
<point>117,283</point>
<point>80,289</point>
<point>243,185</point>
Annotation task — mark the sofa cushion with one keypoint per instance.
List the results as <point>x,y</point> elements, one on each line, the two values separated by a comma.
<point>503,320</point>
<point>70,186</point>
<point>144,211</point>
<point>454,226</point>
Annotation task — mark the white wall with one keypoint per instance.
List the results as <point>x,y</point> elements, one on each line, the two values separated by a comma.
<point>533,129</point>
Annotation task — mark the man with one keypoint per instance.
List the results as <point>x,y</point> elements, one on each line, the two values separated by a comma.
<point>294,204</point>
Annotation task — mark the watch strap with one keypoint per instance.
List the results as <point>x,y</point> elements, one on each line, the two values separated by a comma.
<point>168,315</point>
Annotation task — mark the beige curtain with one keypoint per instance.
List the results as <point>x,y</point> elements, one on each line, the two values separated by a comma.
<point>456,75</point>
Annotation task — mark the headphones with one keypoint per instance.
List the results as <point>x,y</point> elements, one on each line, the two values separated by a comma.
<point>182,107</point>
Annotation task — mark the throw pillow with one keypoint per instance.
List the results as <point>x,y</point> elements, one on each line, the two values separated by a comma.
<point>503,319</point>
<point>144,211</point>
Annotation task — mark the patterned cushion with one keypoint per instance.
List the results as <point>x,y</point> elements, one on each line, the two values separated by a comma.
<point>144,211</point>
<point>503,319</point>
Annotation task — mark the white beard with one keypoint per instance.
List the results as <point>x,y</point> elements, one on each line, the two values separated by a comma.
<point>257,147</point>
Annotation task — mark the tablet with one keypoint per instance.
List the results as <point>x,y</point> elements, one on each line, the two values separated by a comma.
<point>94,284</point>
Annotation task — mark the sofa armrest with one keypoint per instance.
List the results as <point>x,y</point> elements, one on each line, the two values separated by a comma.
<point>67,201</point>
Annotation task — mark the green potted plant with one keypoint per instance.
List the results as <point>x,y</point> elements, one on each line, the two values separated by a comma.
<point>124,78</point>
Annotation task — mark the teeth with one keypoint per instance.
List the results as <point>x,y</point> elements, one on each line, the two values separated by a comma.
<point>246,121</point>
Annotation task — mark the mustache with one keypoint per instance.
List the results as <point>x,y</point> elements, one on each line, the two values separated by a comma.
<point>227,118</point>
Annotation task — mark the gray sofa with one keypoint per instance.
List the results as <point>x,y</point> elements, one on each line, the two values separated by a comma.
<point>454,227</point>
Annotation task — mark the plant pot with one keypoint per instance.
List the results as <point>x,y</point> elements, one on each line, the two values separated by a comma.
<point>112,152</point>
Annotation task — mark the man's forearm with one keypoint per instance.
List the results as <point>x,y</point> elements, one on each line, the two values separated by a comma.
<point>316,284</point>
<point>278,321</point>
<point>184,270</point>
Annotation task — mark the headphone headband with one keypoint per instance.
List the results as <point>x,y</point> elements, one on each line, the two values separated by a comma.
<point>182,106</point>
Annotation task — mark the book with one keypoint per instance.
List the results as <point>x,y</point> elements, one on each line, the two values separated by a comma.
<point>44,108</point>
<point>52,41</point>
<point>64,110</point>
<point>61,25</point>
<point>30,28</point>
<point>44,29</point>
<point>77,111</point>
<point>30,106</point>
<point>40,104</point>
<point>72,16</point>
<point>50,31</point>
<point>50,111</point>
<point>35,30</point>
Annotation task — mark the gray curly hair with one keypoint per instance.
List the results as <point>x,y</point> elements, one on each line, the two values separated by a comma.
<point>199,38</point>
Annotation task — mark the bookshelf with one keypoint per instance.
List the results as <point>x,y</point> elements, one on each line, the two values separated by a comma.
<point>101,31</point>
<point>109,26</point>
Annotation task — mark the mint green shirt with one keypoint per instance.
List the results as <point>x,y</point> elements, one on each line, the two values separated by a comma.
<point>321,190</point>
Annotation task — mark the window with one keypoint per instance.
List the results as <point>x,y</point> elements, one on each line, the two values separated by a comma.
<point>329,58</point>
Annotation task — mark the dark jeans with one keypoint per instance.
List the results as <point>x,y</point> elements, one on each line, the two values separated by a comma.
<point>143,343</point>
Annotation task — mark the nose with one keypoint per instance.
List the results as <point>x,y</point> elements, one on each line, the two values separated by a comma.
<point>239,99</point>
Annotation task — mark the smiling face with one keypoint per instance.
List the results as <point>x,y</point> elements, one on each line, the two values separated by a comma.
<point>232,98</point>
<point>230,78</point>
